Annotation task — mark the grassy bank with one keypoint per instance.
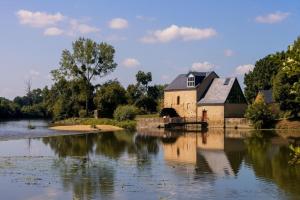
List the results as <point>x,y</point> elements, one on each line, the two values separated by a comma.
<point>128,125</point>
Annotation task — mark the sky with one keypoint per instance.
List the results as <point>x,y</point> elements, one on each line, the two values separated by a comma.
<point>164,37</point>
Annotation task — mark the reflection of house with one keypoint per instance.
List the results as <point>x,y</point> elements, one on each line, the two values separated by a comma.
<point>183,149</point>
<point>205,95</point>
<point>212,152</point>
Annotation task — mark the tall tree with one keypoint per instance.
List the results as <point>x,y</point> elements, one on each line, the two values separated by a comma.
<point>286,89</point>
<point>261,78</point>
<point>86,61</point>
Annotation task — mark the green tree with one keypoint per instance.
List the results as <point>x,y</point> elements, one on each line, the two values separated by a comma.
<point>143,79</point>
<point>262,75</point>
<point>287,82</point>
<point>259,114</point>
<point>86,61</point>
<point>109,96</point>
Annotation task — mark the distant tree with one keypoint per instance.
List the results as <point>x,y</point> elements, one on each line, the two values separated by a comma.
<point>143,79</point>
<point>261,78</point>
<point>133,93</point>
<point>110,95</point>
<point>87,61</point>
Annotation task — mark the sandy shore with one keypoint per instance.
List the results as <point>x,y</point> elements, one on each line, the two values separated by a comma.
<point>87,128</point>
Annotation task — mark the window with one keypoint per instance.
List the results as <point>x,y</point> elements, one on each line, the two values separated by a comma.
<point>178,100</point>
<point>191,81</point>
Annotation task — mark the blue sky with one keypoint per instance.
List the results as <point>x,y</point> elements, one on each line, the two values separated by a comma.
<point>164,37</point>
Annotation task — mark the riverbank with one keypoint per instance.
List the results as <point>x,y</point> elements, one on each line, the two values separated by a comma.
<point>92,124</point>
<point>85,128</point>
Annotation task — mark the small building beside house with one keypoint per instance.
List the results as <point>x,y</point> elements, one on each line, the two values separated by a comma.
<point>205,96</point>
<point>266,95</point>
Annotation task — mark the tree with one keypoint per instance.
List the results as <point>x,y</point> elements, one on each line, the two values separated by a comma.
<point>287,82</point>
<point>110,95</point>
<point>143,79</point>
<point>87,61</point>
<point>261,78</point>
<point>259,114</point>
<point>133,93</point>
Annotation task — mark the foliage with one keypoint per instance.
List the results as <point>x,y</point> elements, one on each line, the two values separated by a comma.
<point>262,75</point>
<point>259,114</point>
<point>109,97</point>
<point>87,61</point>
<point>281,73</point>
<point>126,112</point>
<point>8,109</point>
<point>143,78</point>
<point>295,160</point>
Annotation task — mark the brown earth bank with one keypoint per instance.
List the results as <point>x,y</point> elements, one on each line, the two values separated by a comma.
<point>85,128</point>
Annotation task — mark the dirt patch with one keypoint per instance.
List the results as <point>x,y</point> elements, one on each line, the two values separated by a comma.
<point>87,128</point>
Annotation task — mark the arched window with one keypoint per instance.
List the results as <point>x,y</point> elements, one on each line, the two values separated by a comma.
<point>178,100</point>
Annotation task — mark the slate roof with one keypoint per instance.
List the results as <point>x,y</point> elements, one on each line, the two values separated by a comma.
<point>180,82</point>
<point>268,97</point>
<point>218,91</point>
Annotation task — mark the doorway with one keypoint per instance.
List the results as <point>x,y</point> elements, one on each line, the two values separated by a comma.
<point>204,115</point>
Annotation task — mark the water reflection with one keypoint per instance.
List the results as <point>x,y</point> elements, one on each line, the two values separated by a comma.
<point>214,163</point>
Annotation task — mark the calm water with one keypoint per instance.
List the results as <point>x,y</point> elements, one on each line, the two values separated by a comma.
<point>153,164</point>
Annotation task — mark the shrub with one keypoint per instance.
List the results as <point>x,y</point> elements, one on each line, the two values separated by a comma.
<point>82,113</point>
<point>259,114</point>
<point>126,112</point>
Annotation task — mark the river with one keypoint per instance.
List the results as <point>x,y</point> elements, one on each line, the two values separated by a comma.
<point>152,164</point>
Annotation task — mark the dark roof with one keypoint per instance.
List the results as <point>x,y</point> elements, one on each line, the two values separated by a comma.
<point>180,82</point>
<point>218,91</point>
<point>268,97</point>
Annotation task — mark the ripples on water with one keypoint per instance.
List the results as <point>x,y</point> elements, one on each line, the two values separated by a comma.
<point>149,164</point>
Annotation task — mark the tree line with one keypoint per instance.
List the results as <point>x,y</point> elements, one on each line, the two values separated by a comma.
<point>74,93</point>
<point>280,72</point>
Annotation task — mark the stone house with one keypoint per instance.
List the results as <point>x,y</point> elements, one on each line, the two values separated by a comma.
<point>205,96</point>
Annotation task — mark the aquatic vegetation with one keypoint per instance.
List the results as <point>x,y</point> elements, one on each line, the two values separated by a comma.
<point>295,160</point>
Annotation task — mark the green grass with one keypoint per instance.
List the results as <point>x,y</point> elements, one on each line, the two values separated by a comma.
<point>128,124</point>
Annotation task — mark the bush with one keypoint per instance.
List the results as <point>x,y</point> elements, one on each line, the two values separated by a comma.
<point>82,113</point>
<point>260,114</point>
<point>126,112</point>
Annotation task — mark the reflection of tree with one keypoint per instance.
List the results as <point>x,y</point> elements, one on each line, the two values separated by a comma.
<point>86,179</point>
<point>109,145</point>
<point>271,162</point>
<point>75,145</point>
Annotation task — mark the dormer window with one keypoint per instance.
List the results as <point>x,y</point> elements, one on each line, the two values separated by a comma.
<point>191,80</point>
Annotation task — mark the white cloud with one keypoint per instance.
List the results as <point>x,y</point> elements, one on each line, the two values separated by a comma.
<point>55,24</point>
<point>53,31</point>
<point>244,69</point>
<point>202,66</point>
<point>77,27</point>
<point>38,19</point>
<point>130,62</point>
<point>118,23</point>
<point>272,18</point>
<point>228,52</point>
<point>175,32</point>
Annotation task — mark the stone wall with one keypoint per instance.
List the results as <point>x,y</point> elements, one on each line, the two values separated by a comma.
<point>188,102</point>
<point>214,112</point>
<point>237,123</point>
<point>149,123</point>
